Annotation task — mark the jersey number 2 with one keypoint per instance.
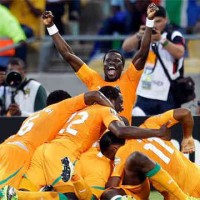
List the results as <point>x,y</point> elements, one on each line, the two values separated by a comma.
<point>83,116</point>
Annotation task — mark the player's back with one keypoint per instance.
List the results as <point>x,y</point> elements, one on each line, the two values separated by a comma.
<point>164,152</point>
<point>43,125</point>
<point>96,177</point>
<point>171,159</point>
<point>86,126</point>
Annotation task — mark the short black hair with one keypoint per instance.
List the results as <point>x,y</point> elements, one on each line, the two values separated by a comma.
<point>16,61</point>
<point>115,51</point>
<point>108,139</point>
<point>57,96</point>
<point>161,12</point>
<point>110,92</point>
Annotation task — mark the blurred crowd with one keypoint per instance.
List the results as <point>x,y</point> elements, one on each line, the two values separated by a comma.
<point>119,17</point>
<point>24,19</point>
<point>21,23</point>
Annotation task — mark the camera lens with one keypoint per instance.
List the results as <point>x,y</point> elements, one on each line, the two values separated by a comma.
<point>153,31</point>
<point>13,79</point>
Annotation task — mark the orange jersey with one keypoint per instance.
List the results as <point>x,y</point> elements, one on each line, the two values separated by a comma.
<point>162,152</point>
<point>158,120</point>
<point>77,135</point>
<point>86,126</point>
<point>95,169</point>
<point>14,161</point>
<point>43,126</point>
<point>139,192</point>
<point>127,83</point>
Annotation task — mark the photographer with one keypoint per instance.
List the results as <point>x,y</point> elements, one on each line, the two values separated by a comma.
<point>154,91</point>
<point>20,96</point>
<point>2,91</point>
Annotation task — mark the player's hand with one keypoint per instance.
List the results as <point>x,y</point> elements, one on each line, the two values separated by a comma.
<point>165,132</point>
<point>187,145</point>
<point>47,18</point>
<point>151,10</point>
<point>14,110</point>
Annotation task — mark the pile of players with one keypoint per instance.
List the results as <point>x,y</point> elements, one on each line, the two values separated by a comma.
<point>84,148</point>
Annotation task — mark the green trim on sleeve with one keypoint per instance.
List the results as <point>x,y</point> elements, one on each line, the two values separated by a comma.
<point>62,197</point>
<point>153,171</point>
<point>93,197</point>
<point>9,177</point>
<point>98,187</point>
<point>57,180</point>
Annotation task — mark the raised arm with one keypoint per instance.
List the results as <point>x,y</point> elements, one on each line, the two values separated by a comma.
<point>140,57</point>
<point>184,116</point>
<point>133,132</point>
<point>179,115</point>
<point>62,46</point>
<point>96,97</point>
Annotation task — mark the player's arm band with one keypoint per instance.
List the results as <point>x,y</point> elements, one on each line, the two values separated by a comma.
<point>149,23</point>
<point>52,30</point>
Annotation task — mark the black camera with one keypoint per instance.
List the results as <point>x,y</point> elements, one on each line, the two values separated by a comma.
<point>153,31</point>
<point>13,79</point>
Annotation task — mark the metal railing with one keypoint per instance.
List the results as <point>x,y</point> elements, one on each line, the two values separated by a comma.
<point>89,38</point>
<point>28,41</point>
<point>45,62</point>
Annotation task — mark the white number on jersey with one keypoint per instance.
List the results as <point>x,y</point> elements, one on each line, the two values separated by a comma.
<point>27,126</point>
<point>83,116</point>
<point>159,153</point>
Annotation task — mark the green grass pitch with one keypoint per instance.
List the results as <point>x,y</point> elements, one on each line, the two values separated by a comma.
<point>156,196</point>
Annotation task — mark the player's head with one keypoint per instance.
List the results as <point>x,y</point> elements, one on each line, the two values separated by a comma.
<point>57,96</point>
<point>113,62</point>
<point>160,19</point>
<point>109,144</point>
<point>114,95</point>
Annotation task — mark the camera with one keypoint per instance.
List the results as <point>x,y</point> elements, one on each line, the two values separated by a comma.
<point>154,31</point>
<point>13,79</point>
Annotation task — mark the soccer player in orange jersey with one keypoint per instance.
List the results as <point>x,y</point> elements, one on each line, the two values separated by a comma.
<point>78,134</point>
<point>162,152</point>
<point>113,62</point>
<point>40,127</point>
<point>92,172</point>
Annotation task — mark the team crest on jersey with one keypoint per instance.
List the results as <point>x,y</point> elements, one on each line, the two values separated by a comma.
<point>117,161</point>
<point>27,91</point>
